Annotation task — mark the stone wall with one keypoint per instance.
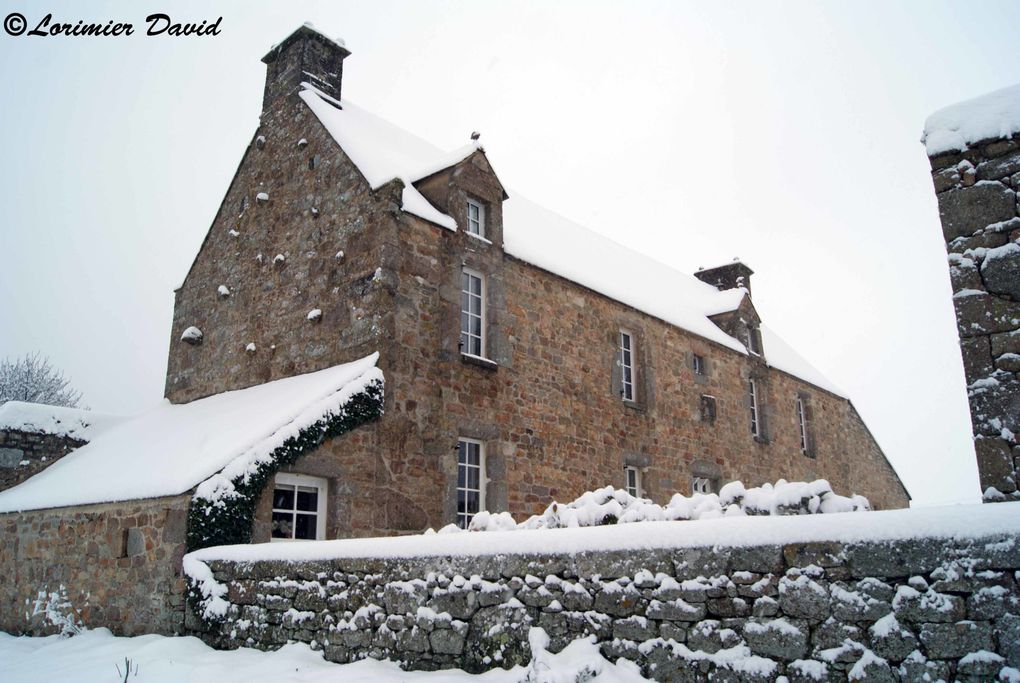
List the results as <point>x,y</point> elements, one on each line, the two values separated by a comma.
<point>810,611</point>
<point>978,205</point>
<point>25,454</point>
<point>118,564</point>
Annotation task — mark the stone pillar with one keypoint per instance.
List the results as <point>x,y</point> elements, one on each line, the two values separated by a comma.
<point>977,195</point>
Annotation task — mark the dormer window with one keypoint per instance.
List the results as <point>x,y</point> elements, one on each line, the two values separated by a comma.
<point>476,219</point>
<point>754,340</point>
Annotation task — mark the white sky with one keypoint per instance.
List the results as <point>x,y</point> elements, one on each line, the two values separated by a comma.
<point>783,133</point>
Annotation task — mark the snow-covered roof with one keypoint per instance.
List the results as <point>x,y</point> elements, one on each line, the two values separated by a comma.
<point>38,418</point>
<point>531,233</point>
<point>172,448</point>
<point>954,128</point>
<point>782,356</point>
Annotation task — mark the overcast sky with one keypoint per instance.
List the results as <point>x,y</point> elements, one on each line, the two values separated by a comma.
<point>783,133</point>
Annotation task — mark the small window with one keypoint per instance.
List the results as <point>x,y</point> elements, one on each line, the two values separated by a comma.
<point>472,313</point>
<point>708,409</point>
<point>754,340</point>
<point>755,417</point>
<point>632,478</point>
<point>470,480</point>
<point>802,423</point>
<point>702,485</point>
<point>476,218</point>
<point>698,364</point>
<point>299,508</point>
<point>626,366</point>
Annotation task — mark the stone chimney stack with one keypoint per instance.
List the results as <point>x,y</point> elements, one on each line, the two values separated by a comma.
<point>305,56</point>
<point>729,276</point>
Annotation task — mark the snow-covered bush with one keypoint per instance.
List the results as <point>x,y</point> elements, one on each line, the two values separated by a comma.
<point>615,506</point>
<point>56,608</point>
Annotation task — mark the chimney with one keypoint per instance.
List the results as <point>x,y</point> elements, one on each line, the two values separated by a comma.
<point>729,276</point>
<point>305,56</point>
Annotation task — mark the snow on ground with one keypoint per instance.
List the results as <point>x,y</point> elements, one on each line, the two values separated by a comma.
<point>92,657</point>
<point>43,419</point>
<point>171,448</point>
<point>949,522</point>
<point>995,115</point>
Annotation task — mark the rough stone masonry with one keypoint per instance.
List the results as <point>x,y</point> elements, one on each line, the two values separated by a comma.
<point>977,195</point>
<point>914,609</point>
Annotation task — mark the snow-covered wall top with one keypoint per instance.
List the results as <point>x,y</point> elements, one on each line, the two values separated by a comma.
<point>954,128</point>
<point>170,449</point>
<point>76,423</point>
<point>954,522</point>
<point>383,152</point>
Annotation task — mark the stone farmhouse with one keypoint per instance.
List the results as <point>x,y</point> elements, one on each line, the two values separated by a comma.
<point>525,359</point>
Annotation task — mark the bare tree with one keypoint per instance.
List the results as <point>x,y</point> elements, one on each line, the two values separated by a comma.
<point>34,380</point>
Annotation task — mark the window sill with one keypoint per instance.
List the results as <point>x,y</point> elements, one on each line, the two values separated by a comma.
<point>478,237</point>
<point>478,361</point>
<point>634,405</point>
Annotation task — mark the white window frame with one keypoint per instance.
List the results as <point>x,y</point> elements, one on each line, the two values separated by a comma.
<point>698,364</point>
<point>802,421</point>
<point>307,481</point>
<point>755,411</point>
<point>626,352</point>
<point>463,519</point>
<point>701,485</point>
<point>477,223</point>
<point>632,481</point>
<point>466,335</point>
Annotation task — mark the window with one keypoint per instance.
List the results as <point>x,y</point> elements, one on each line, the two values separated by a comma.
<point>755,417</point>
<point>802,423</point>
<point>632,481</point>
<point>754,340</point>
<point>699,364</point>
<point>708,409</point>
<point>702,485</point>
<point>626,365</point>
<point>299,508</point>
<point>470,480</point>
<point>476,218</point>
<point>472,313</point>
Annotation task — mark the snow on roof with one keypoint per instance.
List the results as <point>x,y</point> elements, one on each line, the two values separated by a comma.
<point>369,142</point>
<point>781,356</point>
<point>76,423</point>
<point>383,151</point>
<point>995,115</point>
<point>949,522</point>
<point>188,443</point>
<point>550,241</point>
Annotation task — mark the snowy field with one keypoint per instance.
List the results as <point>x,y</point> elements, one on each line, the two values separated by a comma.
<point>94,657</point>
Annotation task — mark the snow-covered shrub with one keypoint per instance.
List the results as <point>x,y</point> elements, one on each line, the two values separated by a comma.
<point>615,506</point>
<point>223,291</point>
<point>56,608</point>
<point>315,315</point>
